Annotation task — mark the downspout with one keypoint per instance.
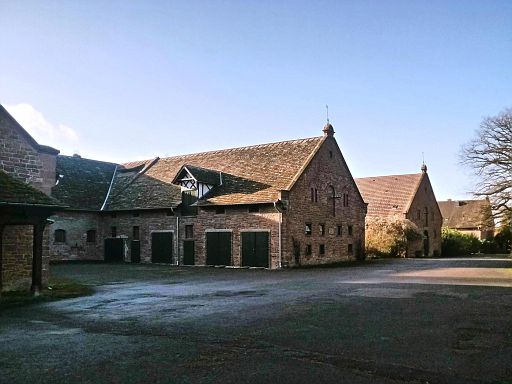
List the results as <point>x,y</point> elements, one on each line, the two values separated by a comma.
<point>177,240</point>
<point>109,189</point>
<point>279,232</point>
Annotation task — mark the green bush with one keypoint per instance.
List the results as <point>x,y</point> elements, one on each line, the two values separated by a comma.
<point>455,243</point>
<point>503,240</point>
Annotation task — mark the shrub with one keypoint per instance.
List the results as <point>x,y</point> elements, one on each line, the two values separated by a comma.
<point>389,237</point>
<point>503,239</point>
<point>455,243</point>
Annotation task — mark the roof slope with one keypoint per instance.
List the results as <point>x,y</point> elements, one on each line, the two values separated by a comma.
<point>13,191</point>
<point>466,213</point>
<point>84,183</point>
<point>252,174</point>
<point>389,195</point>
<point>132,189</point>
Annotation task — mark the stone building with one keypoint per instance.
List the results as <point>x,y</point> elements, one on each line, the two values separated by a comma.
<point>27,174</point>
<point>273,205</point>
<point>408,197</point>
<point>472,217</point>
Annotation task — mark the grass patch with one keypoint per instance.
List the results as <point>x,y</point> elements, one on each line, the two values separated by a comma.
<point>57,289</point>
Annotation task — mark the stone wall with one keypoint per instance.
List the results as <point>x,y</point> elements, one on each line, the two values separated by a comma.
<point>425,198</point>
<point>22,160</point>
<point>76,247</point>
<point>17,247</point>
<point>327,170</point>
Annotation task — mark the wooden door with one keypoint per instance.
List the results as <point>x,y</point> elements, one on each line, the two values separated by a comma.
<point>255,249</point>
<point>218,248</point>
<point>161,247</point>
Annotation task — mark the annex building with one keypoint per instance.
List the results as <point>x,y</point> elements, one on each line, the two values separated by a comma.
<point>408,197</point>
<point>472,217</point>
<point>273,205</point>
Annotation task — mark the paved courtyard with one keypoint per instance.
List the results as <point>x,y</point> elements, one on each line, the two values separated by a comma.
<point>387,321</point>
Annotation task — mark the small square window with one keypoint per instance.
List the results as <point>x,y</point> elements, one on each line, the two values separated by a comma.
<point>350,249</point>
<point>91,236</point>
<point>113,215</point>
<point>60,236</point>
<point>308,230</point>
<point>321,249</point>
<point>350,230</point>
<point>136,233</point>
<point>340,230</point>
<point>170,212</point>
<point>113,231</point>
<point>135,214</point>
<point>321,229</point>
<point>189,231</point>
<point>308,249</point>
<point>220,210</point>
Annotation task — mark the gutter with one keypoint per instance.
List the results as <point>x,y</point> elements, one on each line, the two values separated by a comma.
<point>109,189</point>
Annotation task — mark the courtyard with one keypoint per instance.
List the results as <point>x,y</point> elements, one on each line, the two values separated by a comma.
<point>383,321</point>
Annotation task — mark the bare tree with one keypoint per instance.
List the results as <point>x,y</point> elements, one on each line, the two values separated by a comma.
<point>490,157</point>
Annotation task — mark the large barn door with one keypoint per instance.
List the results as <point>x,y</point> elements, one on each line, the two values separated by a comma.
<point>188,252</point>
<point>161,247</point>
<point>218,248</point>
<point>114,250</point>
<point>255,249</point>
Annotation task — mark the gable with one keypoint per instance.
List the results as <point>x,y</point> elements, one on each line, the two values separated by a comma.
<point>389,195</point>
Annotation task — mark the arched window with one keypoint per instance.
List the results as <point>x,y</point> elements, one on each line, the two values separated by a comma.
<point>60,236</point>
<point>333,197</point>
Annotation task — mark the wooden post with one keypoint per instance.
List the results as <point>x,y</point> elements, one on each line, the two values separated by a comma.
<point>37,258</point>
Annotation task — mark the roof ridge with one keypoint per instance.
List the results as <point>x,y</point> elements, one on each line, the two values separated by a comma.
<point>235,148</point>
<point>380,176</point>
<point>85,158</point>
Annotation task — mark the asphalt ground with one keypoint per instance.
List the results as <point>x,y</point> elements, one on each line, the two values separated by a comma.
<point>384,321</point>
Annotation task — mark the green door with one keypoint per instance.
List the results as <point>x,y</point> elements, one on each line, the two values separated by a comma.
<point>218,248</point>
<point>114,250</point>
<point>135,257</point>
<point>161,247</point>
<point>189,252</point>
<point>255,249</point>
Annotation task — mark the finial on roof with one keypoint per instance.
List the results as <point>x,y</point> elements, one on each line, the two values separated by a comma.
<point>328,128</point>
<point>423,166</point>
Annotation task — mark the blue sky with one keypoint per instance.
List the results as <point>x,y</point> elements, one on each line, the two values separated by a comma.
<point>125,80</point>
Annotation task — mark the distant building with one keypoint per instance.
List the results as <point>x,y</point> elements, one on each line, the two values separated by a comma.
<point>272,205</point>
<point>410,197</point>
<point>27,174</point>
<point>472,217</point>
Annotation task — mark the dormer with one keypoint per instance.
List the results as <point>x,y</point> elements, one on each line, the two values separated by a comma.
<point>201,180</point>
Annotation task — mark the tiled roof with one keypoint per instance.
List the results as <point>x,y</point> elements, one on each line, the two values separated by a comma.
<point>13,191</point>
<point>388,195</point>
<point>466,214</point>
<point>136,190</point>
<point>83,183</point>
<point>252,174</point>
